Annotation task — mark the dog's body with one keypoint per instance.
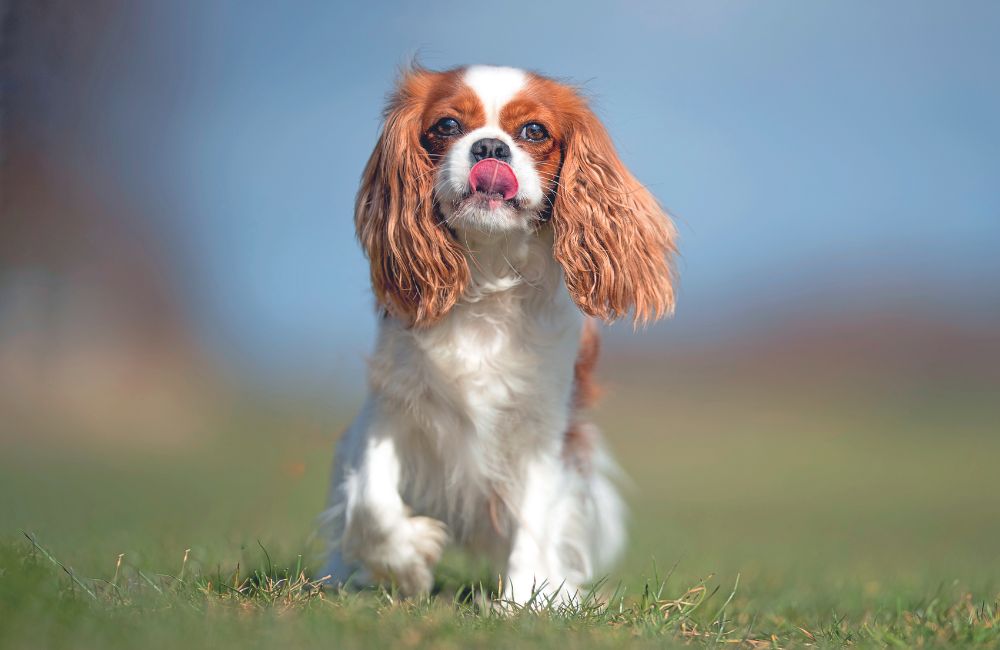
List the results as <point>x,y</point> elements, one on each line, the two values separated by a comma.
<point>472,428</point>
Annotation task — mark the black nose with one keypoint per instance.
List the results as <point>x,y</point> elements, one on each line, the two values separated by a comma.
<point>490,148</point>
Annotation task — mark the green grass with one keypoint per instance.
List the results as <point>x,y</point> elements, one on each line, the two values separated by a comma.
<point>766,513</point>
<point>47,604</point>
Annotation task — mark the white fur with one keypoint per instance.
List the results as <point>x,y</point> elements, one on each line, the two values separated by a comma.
<point>496,86</point>
<point>468,417</point>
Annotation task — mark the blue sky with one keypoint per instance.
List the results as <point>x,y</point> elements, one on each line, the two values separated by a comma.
<point>805,148</point>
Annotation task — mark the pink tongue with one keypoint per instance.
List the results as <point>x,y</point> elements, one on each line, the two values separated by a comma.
<point>493,177</point>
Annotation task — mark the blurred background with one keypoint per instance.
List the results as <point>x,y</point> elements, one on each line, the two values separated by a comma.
<point>185,313</point>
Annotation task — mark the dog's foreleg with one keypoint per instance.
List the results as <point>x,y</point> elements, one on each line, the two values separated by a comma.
<point>379,536</point>
<point>535,572</point>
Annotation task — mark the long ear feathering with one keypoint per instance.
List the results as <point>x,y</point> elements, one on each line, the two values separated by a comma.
<point>418,271</point>
<point>613,240</point>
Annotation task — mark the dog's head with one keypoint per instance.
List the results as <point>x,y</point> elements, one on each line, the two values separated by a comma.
<point>499,150</point>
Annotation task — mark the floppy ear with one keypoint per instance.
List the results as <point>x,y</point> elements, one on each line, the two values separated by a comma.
<point>418,271</point>
<point>612,239</point>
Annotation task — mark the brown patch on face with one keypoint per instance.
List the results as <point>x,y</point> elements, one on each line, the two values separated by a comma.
<point>538,102</point>
<point>450,98</point>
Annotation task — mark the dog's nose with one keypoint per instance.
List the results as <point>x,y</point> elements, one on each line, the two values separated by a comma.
<point>490,148</point>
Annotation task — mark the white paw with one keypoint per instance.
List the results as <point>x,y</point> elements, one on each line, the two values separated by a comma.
<point>536,595</point>
<point>408,556</point>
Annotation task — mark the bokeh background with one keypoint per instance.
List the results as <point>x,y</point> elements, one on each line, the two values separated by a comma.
<point>185,313</point>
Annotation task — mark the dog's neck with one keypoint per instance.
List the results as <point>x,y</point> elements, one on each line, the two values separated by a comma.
<point>503,262</point>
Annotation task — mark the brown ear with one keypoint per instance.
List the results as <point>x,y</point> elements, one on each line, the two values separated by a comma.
<point>613,240</point>
<point>418,271</point>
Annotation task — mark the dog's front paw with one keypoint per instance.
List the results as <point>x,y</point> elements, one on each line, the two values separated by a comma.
<point>526,592</point>
<point>408,557</point>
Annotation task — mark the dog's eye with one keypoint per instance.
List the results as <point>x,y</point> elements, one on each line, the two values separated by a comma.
<point>447,126</point>
<point>533,132</point>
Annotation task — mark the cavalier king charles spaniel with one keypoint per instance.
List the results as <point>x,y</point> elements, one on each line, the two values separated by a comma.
<point>499,224</point>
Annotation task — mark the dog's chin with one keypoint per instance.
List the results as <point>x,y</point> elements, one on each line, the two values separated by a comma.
<point>488,213</point>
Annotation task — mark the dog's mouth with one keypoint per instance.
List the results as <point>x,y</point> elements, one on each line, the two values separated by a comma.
<point>492,183</point>
<point>483,200</point>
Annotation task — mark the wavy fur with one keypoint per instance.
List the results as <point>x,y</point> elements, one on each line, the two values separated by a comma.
<point>613,240</point>
<point>418,271</point>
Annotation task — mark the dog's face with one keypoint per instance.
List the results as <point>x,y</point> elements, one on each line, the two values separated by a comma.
<point>496,139</point>
<point>499,150</point>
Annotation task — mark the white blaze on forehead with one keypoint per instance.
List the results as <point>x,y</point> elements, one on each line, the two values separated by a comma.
<point>495,87</point>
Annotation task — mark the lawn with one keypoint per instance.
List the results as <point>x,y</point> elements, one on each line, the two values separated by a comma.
<point>770,508</point>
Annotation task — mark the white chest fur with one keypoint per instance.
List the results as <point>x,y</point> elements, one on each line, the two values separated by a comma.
<point>487,387</point>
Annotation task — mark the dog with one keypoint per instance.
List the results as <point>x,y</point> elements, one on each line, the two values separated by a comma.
<point>500,225</point>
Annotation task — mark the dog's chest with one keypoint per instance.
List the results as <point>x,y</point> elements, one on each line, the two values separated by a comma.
<point>492,368</point>
<point>492,392</point>
<point>500,358</point>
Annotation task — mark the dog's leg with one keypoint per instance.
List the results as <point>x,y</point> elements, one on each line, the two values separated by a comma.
<point>380,542</point>
<point>536,572</point>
